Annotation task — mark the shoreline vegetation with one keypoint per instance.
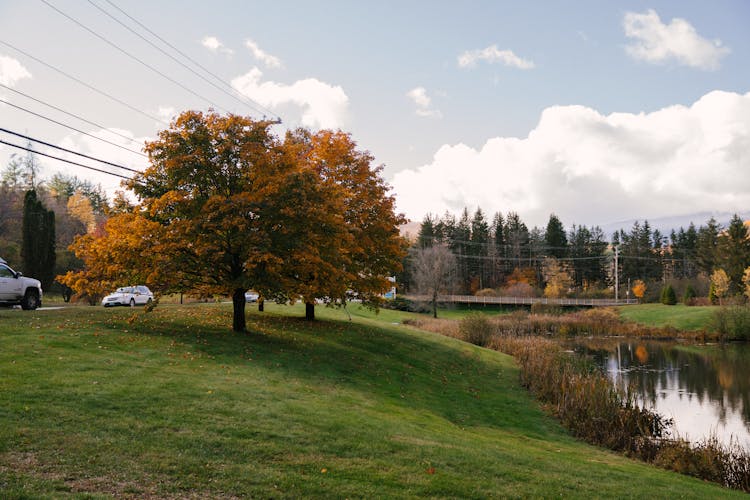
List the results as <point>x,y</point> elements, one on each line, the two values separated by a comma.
<point>586,402</point>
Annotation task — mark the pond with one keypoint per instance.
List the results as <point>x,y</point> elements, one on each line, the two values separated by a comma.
<point>705,389</point>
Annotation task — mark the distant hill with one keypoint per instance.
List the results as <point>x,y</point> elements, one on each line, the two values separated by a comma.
<point>666,224</point>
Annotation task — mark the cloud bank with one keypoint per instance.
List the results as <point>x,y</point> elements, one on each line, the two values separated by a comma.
<point>655,42</point>
<point>589,168</point>
<point>491,55</point>
<point>322,105</point>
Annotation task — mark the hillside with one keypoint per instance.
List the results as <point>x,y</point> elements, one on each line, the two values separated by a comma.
<point>171,404</point>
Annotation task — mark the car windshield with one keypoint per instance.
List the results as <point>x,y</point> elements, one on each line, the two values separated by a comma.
<point>123,290</point>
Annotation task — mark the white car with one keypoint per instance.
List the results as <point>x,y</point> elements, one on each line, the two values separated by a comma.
<point>16,289</point>
<point>251,296</point>
<point>129,296</point>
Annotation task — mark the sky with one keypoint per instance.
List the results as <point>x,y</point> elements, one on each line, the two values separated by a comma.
<point>596,111</point>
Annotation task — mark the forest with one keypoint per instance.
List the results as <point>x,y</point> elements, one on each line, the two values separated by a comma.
<point>501,255</point>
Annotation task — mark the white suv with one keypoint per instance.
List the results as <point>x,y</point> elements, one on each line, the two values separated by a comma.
<point>129,296</point>
<point>15,289</point>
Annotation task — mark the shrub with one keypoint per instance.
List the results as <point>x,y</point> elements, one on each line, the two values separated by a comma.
<point>477,329</point>
<point>689,295</point>
<point>486,292</point>
<point>539,308</point>
<point>732,323</point>
<point>668,297</point>
<point>398,304</point>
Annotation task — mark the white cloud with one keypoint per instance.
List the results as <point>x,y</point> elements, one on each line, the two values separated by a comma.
<point>656,42</point>
<point>423,102</point>
<point>214,45</point>
<point>593,169</point>
<point>323,105</point>
<point>491,55</point>
<point>11,71</point>
<point>264,57</point>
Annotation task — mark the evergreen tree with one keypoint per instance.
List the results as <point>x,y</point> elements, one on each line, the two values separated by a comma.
<point>668,296</point>
<point>500,250</point>
<point>517,239</point>
<point>38,243</point>
<point>706,246</point>
<point>479,249</point>
<point>734,252</point>
<point>555,238</point>
<point>427,236</point>
<point>460,242</point>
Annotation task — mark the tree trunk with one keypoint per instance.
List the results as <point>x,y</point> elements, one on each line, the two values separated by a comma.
<point>260,304</point>
<point>434,305</point>
<point>238,318</point>
<point>309,311</point>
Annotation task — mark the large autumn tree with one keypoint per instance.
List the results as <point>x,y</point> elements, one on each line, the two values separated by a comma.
<point>347,242</point>
<point>228,206</point>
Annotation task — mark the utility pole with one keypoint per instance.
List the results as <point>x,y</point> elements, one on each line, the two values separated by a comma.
<point>617,276</point>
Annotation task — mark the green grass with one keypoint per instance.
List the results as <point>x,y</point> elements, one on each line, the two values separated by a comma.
<point>682,317</point>
<point>97,403</point>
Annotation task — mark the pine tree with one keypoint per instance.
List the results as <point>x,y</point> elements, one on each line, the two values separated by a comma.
<point>668,296</point>
<point>38,243</point>
<point>555,238</point>
<point>734,252</point>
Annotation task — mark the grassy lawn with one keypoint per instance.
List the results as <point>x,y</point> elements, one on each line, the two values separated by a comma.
<point>97,403</point>
<point>679,316</point>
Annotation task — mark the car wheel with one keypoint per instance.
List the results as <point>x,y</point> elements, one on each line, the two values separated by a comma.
<point>132,302</point>
<point>30,301</point>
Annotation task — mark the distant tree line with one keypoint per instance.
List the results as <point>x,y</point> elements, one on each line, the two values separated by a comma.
<point>40,217</point>
<point>503,254</point>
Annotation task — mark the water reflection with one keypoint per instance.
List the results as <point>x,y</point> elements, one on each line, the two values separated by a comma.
<point>705,389</point>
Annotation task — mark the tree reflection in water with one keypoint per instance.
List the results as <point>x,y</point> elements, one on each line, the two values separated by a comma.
<point>705,389</point>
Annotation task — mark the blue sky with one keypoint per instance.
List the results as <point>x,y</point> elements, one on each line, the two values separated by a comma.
<point>598,111</point>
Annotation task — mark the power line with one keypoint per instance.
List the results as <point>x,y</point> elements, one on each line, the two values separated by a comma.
<point>66,161</point>
<point>88,86</point>
<point>120,49</point>
<point>186,56</point>
<point>67,150</point>
<point>220,89</point>
<point>70,127</point>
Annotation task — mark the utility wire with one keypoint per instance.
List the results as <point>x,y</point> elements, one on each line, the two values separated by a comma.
<point>142,62</point>
<point>32,139</point>
<point>220,89</point>
<point>88,86</point>
<point>70,127</point>
<point>66,161</point>
<point>186,56</point>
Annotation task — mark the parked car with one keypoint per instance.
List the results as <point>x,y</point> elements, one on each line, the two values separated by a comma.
<point>16,289</point>
<point>251,296</point>
<point>129,296</point>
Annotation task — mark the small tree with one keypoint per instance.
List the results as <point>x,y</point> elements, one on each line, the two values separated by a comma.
<point>639,289</point>
<point>689,295</point>
<point>558,278</point>
<point>668,297</point>
<point>434,271</point>
<point>720,284</point>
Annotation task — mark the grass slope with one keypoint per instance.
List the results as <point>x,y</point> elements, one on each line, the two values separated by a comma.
<point>679,316</point>
<point>96,402</point>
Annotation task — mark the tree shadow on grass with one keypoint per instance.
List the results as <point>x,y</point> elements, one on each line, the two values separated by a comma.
<point>444,377</point>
